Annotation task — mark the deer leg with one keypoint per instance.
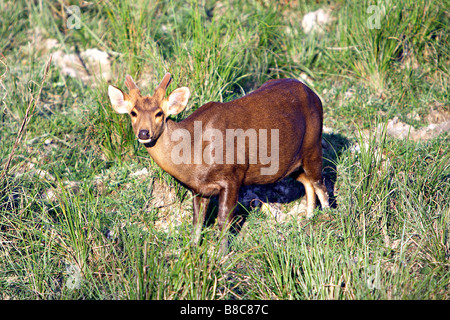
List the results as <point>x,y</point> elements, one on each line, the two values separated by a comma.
<point>200,205</point>
<point>228,198</point>
<point>312,180</point>
<point>322,193</point>
<point>310,194</point>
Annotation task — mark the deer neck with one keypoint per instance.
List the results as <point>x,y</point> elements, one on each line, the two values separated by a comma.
<point>161,152</point>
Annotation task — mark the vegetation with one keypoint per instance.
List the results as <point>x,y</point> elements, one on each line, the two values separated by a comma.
<point>77,222</point>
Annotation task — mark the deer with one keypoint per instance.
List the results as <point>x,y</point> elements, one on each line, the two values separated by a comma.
<point>288,108</point>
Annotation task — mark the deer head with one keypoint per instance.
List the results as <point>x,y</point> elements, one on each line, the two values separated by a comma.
<point>148,113</point>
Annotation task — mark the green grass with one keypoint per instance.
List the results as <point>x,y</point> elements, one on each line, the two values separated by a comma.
<point>75,223</point>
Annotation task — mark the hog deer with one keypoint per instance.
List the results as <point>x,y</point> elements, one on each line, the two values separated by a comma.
<point>193,151</point>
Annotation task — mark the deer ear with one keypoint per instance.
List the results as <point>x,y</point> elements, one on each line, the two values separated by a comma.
<point>118,100</point>
<point>176,101</point>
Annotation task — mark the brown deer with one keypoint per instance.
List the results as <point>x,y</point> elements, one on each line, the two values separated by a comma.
<point>222,146</point>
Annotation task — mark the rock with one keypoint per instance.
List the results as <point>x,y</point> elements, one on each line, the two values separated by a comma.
<point>89,66</point>
<point>397,129</point>
<point>431,131</point>
<point>162,195</point>
<point>142,172</point>
<point>299,208</point>
<point>274,210</point>
<point>315,20</point>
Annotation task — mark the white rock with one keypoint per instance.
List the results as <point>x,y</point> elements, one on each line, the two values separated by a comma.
<point>315,20</point>
<point>88,66</point>
<point>141,172</point>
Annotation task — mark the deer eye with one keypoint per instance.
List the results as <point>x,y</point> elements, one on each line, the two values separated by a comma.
<point>159,114</point>
<point>133,114</point>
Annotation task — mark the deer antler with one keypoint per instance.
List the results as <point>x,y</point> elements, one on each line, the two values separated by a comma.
<point>160,91</point>
<point>129,83</point>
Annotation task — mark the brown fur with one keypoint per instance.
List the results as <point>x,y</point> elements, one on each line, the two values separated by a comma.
<point>285,104</point>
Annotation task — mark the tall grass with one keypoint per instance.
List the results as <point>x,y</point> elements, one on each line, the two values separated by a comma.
<point>380,36</point>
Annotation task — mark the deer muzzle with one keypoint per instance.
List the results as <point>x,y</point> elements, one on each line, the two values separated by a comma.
<point>144,136</point>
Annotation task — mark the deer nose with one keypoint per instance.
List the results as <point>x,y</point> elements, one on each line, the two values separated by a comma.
<point>144,135</point>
